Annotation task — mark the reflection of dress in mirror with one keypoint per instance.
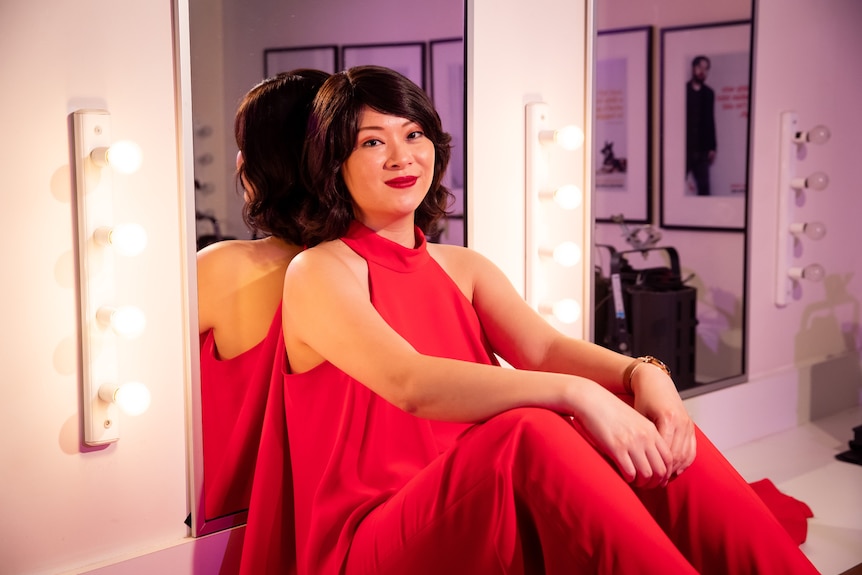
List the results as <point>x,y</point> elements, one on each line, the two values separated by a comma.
<point>240,286</point>
<point>413,451</point>
<point>700,144</point>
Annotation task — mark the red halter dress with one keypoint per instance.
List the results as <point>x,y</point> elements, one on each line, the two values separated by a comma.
<point>379,491</point>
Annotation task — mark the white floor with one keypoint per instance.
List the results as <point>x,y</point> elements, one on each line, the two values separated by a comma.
<point>801,462</point>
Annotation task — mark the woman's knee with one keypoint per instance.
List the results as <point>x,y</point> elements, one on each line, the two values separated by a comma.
<point>533,423</point>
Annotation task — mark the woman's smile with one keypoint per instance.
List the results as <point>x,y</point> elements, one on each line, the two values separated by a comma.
<point>402,182</point>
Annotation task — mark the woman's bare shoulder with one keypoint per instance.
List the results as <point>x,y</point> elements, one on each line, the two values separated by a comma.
<point>239,256</point>
<point>239,287</point>
<point>457,257</point>
<point>326,261</point>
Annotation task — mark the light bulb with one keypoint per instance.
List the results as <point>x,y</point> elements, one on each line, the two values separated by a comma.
<point>569,196</point>
<point>127,239</point>
<point>569,137</point>
<point>812,230</point>
<point>811,272</point>
<point>819,134</point>
<point>123,156</point>
<point>125,321</point>
<point>133,398</point>
<point>567,310</point>
<point>567,254</point>
<point>816,181</point>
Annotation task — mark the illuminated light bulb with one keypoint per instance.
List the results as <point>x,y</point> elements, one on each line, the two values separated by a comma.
<point>568,137</point>
<point>123,156</point>
<point>817,135</point>
<point>127,239</point>
<point>567,310</point>
<point>133,398</point>
<point>567,254</point>
<point>816,181</point>
<point>125,321</point>
<point>569,196</point>
<point>811,272</point>
<point>812,230</point>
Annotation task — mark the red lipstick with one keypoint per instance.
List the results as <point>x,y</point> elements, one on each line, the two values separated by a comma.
<point>401,182</point>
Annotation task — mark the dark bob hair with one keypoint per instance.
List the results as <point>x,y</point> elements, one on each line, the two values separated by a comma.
<point>332,134</point>
<point>270,129</point>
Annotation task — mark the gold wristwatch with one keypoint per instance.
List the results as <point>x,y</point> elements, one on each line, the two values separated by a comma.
<point>630,370</point>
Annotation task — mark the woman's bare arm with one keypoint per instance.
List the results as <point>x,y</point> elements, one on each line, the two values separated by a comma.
<point>528,341</point>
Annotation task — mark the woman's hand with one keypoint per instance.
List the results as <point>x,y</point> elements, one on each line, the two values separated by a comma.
<point>641,454</point>
<point>656,397</point>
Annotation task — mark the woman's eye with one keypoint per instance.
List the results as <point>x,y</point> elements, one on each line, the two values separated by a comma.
<point>415,134</point>
<point>371,143</point>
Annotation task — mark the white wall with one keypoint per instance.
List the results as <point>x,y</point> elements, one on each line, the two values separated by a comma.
<point>63,506</point>
<point>63,509</point>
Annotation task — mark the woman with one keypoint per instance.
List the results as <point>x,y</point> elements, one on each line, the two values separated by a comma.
<point>240,285</point>
<point>414,452</point>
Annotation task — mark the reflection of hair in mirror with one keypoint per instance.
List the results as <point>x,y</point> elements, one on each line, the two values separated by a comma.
<point>240,284</point>
<point>406,437</point>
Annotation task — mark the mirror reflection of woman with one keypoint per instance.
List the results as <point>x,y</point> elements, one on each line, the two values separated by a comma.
<point>413,451</point>
<point>240,285</point>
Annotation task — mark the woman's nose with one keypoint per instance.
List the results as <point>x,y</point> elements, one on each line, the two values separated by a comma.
<point>399,155</point>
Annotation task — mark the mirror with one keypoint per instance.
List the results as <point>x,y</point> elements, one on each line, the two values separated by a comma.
<point>635,148</point>
<point>233,42</point>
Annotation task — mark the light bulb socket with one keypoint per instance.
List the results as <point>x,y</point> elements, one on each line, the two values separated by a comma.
<point>108,392</point>
<point>99,156</point>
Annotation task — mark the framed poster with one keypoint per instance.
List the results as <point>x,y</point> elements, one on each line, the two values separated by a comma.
<point>407,58</point>
<point>323,58</point>
<point>622,175</point>
<point>706,74</point>
<point>447,92</point>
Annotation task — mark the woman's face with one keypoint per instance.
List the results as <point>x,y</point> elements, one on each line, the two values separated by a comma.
<point>390,169</point>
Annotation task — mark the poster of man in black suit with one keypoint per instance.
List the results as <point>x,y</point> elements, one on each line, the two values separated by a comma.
<point>700,141</point>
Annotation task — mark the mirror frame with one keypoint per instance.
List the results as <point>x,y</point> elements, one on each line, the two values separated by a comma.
<point>196,520</point>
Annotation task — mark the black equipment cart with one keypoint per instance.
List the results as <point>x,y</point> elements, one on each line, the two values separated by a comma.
<point>648,311</point>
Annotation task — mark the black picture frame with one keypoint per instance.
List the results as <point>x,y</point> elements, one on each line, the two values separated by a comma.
<point>448,91</point>
<point>408,58</point>
<point>622,176</point>
<point>285,59</point>
<point>684,205</point>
